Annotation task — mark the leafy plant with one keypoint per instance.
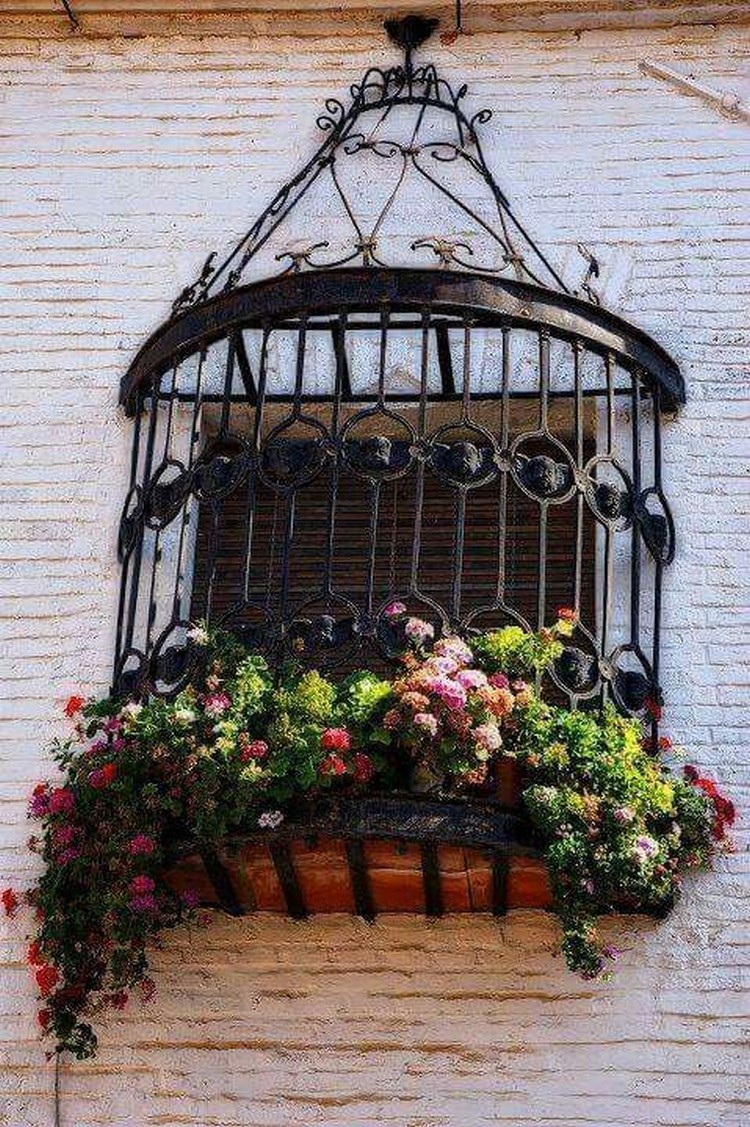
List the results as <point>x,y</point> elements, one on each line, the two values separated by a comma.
<point>239,748</point>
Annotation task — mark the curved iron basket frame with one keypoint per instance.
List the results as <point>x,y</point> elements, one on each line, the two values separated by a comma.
<point>310,294</point>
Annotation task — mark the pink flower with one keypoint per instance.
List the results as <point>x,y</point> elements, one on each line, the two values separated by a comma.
<point>624,815</point>
<point>270,819</point>
<point>102,776</point>
<point>336,739</point>
<point>417,630</point>
<point>394,609</point>
<point>427,722</point>
<point>39,804</point>
<point>190,898</point>
<point>444,666</point>
<point>451,693</point>
<point>141,845</point>
<point>488,737</point>
<point>392,719</point>
<point>499,681</point>
<point>142,884</point>
<point>611,952</point>
<point>216,704</point>
<point>68,855</point>
<point>143,902</point>
<point>454,648</point>
<point>64,836</point>
<point>471,678</point>
<point>61,801</point>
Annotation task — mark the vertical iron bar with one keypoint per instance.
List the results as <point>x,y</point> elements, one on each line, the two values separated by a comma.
<point>284,866</point>
<point>363,902</point>
<point>433,893</point>
<point>420,470</point>
<point>635,546</point>
<point>502,523</point>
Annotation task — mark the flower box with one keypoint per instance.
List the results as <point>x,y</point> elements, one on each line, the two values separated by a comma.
<point>349,855</point>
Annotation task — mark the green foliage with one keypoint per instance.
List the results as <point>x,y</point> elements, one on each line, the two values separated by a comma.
<point>237,749</point>
<point>516,652</point>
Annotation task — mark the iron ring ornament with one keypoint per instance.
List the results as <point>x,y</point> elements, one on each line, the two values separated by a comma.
<point>478,431</point>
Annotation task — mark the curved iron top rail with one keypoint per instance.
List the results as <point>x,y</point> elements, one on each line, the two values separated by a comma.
<point>487,300</point>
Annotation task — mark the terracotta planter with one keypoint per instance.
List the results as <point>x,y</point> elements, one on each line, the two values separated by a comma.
<point>394,874</point>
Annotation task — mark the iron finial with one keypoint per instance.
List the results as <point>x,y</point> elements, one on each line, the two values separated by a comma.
<point>409,32</point>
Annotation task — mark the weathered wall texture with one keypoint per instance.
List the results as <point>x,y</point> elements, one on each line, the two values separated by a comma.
<point>121,164</point>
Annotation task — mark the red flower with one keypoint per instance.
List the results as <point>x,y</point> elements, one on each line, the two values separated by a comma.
<point>653,708</point>
<point>336,739</point>
<point>103,776</point>
<point>333,765</point>
<point>119,1000</point>
<point>148,989</point>
<point>141,844</point>
<point>253,749</point>
<point>364,767</point>
<point>10,902</point>
<point>567,614</point>
<point>47,978</point>
<point>34,955</point>
<point>61,801</point>
<point>74,704</point>
<point>142,884</point>
<point>44,1017</point>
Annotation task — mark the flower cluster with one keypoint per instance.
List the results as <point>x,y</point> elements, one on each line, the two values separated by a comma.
<point>240,749</point>
<point>447,713</point>
<point>616,826</point>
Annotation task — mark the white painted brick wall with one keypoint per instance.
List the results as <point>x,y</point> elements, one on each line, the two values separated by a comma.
<point>121,163</point>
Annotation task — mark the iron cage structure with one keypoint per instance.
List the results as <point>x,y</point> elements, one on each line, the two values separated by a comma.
<point>395,415</point>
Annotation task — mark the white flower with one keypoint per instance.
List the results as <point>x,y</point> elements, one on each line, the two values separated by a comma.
<point>270,820</point>
<point>184,715</point>
<point>199,635</point>
<point>131,710</point>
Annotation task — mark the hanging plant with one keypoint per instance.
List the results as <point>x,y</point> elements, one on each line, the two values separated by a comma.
<point>239,749</point>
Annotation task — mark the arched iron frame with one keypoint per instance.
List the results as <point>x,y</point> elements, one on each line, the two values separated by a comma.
<point>353,292</point>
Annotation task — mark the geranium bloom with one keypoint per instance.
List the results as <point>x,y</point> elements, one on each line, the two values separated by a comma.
<point>44,1017</point>
<point>451,693</point>
<point>74,705</point>
<point>47,978</point>
<point>499,681</point>
<point>417,630</point>
<point>333,765</point>
<point>364,768</point>
<point>190,898</point>
<point>61,800</point>
<point>253,749</point>
<point>336,739</point>
<point>471,678</point>
<point>645,848</point>
<point>488,736</point>
<point>566,614</point>
<point>624,815</point>
<point>143,902</point>
<point>34,954</point>
<point>198,635</point>
<point>103,776</point>
<point>142,884</point>
<point>39,804</point>
<point>141,845</point>
<point>394,609</point>
<point>216,704</point>
<point>392,719</point>
<point>427,723</point>
<point>184,715</point>
<point>270,819</point>
<point>10,902</point>
<point>454,648</point>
